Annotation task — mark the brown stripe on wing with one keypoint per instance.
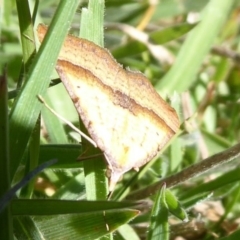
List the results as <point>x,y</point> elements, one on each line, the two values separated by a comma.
<point>118,98</point>
<point>100,63</point>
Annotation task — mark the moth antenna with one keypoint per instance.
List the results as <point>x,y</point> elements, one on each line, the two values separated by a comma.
<point>82,158</point>
<point>109,195</point>
<point>40,98</point>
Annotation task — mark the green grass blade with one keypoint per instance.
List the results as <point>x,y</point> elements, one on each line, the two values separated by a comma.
<point>195,48</point>
<point>83,226</point>
<point>66,155</point>
<point>233,236</point>
<point>27,34</point>
<point>27,107</point>
<point>25,228</point>
<point>34,148</point>
<point>6,198</point>
<point>170,33</point>
<point>55,129</point>
<point>127,232</point>
<point>5,216</point>
<point>55,206</point>
<point>230,177</point>
<point>174,206</point>
<point>94,169</point>
<point>159,228</point>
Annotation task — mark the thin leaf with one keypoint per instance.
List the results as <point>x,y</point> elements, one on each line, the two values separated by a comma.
<point>27,107</point>
<point>159,228</point>
<point>174,206</point>
<point>55,207</point>
<point>195,48</point>
<point>84,226</point>
<point>5,199</point>
<point>95,176</point>
<point>5,216</point>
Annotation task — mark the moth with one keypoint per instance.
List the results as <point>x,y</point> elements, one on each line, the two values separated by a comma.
<point>124,115</point>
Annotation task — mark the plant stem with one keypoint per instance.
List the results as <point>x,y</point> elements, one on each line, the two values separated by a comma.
<point>190,172</point>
